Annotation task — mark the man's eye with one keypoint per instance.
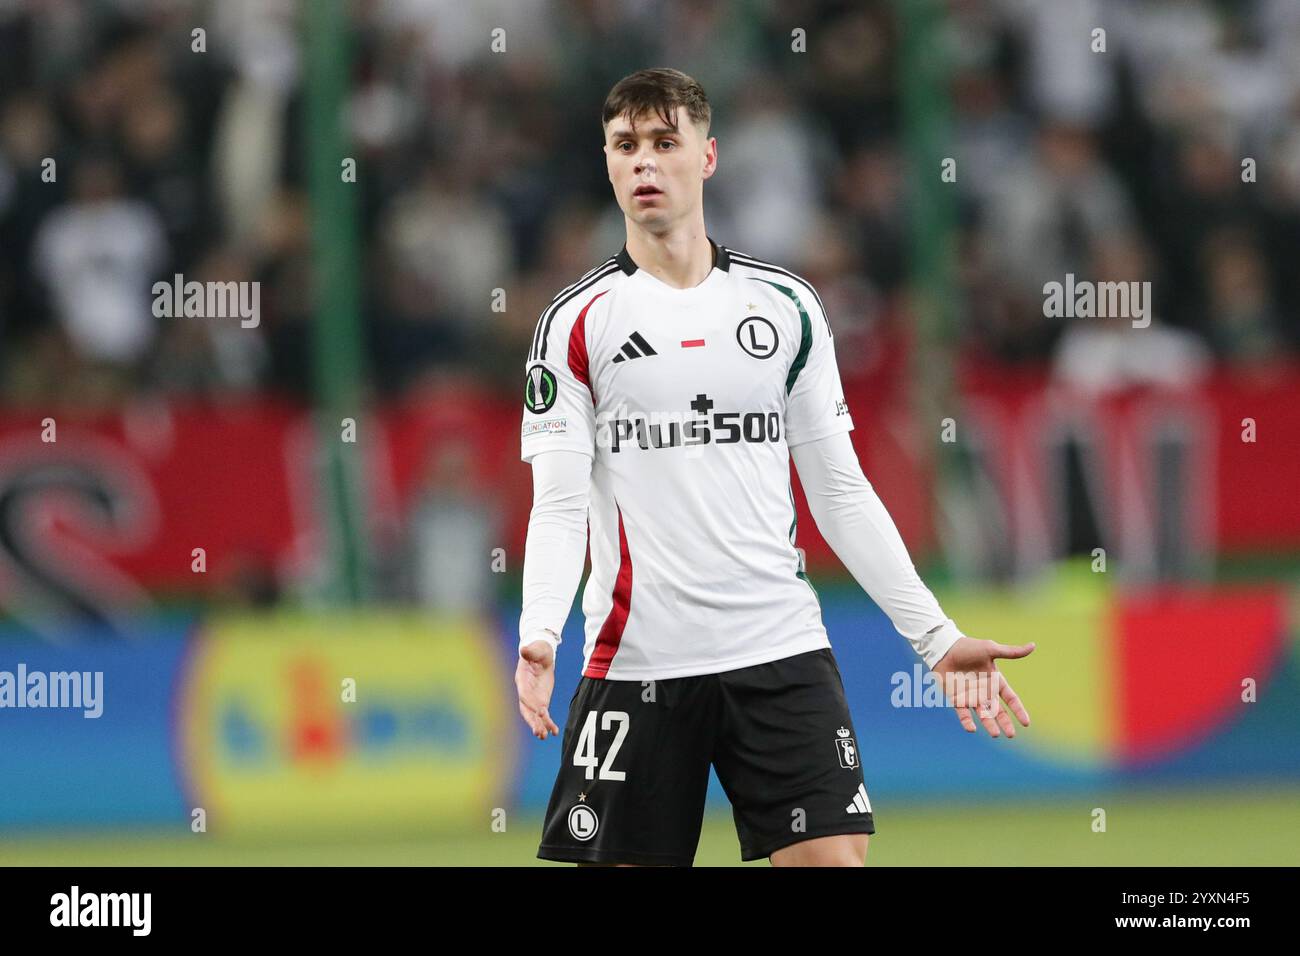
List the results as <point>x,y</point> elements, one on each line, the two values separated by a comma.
<point>668,141</point>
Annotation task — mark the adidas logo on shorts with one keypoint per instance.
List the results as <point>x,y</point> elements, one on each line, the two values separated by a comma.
<point>860,802</point>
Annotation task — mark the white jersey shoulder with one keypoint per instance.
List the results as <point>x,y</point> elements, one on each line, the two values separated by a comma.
<point>566,305</point>
<point>773,274</point>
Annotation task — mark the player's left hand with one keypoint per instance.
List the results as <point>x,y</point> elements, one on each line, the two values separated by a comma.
<point>971,680</point>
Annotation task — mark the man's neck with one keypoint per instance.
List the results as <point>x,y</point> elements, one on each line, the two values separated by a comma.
<point>682,260</point>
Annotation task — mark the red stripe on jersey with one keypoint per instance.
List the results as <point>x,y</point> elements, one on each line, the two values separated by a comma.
<point>578,361</point>
<point>692,343</point>
<point>611,632</point>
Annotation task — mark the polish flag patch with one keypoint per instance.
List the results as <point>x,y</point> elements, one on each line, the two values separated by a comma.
<point>692,343</point>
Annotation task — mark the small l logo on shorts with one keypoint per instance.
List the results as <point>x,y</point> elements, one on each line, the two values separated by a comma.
<point>583,822</point>
<point>848,750</point>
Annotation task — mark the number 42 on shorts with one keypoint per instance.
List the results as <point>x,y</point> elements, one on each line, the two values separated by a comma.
<point>584,755</point>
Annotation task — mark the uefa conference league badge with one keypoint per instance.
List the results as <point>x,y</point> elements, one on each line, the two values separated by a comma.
<point>539,389</point>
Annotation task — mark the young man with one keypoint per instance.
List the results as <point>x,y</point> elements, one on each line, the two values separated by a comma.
<point>664,395</point>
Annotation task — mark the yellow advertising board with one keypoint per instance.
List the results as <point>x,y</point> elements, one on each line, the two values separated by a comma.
<point>344,721</point>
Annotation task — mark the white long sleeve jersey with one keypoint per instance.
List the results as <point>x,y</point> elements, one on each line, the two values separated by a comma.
<point>679,409</point>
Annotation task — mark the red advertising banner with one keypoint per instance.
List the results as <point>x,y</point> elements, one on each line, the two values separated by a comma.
<point>164,497</point>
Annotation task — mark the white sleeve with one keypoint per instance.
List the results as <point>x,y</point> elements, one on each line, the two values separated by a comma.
<point>559,409</point>
<point>854,522</point>
<point>556,547</point>
<point>815,405</point>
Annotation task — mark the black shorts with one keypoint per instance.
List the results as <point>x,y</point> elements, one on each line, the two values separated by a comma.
<point>635,766</point>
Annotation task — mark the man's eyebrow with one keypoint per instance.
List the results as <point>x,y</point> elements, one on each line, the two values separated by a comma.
<point>657,131</point>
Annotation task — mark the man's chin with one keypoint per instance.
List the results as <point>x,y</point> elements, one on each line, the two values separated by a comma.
<point>648,217</point>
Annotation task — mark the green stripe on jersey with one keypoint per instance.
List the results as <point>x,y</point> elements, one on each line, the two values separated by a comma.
<point>794,525</point>
<point>794,513</point>
<point>805,335</point>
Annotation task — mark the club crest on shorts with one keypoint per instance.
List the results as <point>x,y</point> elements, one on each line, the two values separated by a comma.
<point>848,750</point>
<point>583,822</point>
<point>539,389</point>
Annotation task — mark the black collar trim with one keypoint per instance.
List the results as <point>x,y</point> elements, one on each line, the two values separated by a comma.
<point>625,261</point>
<point>721,258</point>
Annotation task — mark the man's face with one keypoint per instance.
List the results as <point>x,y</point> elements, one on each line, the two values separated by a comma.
<point>657,172</point>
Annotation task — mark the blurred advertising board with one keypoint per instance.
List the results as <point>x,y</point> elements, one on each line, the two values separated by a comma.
<point>269,723</point>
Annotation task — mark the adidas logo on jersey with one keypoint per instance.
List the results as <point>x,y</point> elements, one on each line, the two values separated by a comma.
<point>860,802</point>
<point>635,347</point>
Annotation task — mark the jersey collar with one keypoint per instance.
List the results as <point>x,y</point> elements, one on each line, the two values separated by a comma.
<point>721,258</point>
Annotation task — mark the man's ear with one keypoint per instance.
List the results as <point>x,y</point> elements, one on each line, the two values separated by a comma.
<point>711,158</point>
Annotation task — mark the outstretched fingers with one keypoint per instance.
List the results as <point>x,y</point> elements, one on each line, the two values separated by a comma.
<point>1013,703</point>
<point>965,718</point>
<point>1005,722</point>
<point>531,719</point>
<point>988,711</point>
<point>538,721</point>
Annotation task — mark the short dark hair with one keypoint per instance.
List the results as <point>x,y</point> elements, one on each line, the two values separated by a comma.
<point>658,90</point>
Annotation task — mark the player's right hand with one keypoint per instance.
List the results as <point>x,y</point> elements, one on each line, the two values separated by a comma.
<point>534,680</point>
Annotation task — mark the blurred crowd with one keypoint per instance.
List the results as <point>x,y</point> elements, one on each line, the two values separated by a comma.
<point>481,169</point>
